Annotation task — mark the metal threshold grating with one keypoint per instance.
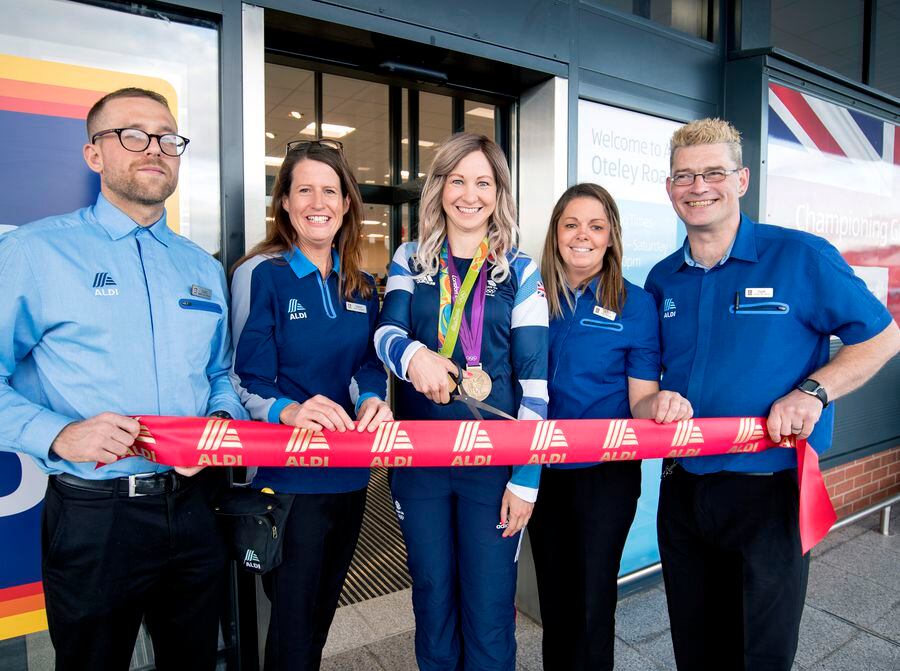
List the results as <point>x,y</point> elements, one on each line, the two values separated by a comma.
<point>379,563</point>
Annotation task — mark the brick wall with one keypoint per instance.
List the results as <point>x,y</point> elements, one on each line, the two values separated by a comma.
<point>858,484</point>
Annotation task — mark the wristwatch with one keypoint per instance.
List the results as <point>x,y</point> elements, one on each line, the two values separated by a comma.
<point>813,388</point>
<point>220,414</point>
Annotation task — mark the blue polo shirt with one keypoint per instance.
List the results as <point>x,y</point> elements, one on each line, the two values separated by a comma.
<point>592,356</point>
<point>739,336</point>
<point>295,337</point>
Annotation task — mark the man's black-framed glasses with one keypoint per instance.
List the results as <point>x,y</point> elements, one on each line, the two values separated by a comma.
<point>328,143</point>
<point>134,139</point>
<point>710,176</point>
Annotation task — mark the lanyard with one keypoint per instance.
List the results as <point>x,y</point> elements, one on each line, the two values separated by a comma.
<point>454,293</point>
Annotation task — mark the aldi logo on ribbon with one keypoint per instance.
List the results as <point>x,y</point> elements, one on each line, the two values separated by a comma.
<point>470,437</point>
<point>217,434</point>
<point>546,436</point>
<point>388,438</point>
<point>619,435</point>
<point>749,430</point>
<point>686,433</point>
<point>302,440</point>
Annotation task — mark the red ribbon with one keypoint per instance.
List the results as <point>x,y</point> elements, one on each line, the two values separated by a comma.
<point>195,441</point>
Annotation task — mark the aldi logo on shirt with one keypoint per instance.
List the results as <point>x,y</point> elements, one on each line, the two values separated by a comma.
<point>105,285</point>
<point>296,309</point>
<point>668,308</point>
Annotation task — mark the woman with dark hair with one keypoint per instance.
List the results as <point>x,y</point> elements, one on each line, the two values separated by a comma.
<point>303,318</point>
<point>604,363</point>
<point>463,296</point>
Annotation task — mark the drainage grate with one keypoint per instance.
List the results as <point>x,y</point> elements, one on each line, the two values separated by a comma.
<point>379,563</point>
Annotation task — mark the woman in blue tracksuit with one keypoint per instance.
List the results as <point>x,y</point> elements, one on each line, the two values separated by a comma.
<point>461,524</point>
<point>604,363</point>
<point>303,318</point>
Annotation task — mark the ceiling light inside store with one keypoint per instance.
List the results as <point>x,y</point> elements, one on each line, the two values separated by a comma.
<point>369,181</point>
<point>331,130</point>
<point>374,236</point>
<point>274,161</point>
<point>404,174</point>
<point>483,112</point>
<point>296,114</point>
<point>364,168</point>
<point>422,143</point>
<point>370,222</point>
<point>270,135</point>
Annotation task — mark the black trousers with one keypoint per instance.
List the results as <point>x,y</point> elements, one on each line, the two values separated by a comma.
<point>577,532</point>
<point>734,572</point>
<point>110,560</point>
<point>320,536</point>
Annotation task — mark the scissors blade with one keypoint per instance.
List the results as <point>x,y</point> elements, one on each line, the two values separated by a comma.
<point>473,404</point>
<point>472,408</point>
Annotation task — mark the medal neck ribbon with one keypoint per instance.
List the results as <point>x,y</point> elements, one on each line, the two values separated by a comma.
<point>454,294</point>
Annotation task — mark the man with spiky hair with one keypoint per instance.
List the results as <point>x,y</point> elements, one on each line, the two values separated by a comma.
<point>746,314</point>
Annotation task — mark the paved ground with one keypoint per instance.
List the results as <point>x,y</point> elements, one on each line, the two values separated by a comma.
<point>851,621</point>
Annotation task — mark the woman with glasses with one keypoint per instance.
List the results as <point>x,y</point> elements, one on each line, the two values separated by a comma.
<point>463,298</point>
<point>303,318</point>
<point>604,363</point>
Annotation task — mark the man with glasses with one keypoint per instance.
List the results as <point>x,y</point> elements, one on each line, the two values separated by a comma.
<point>746,314</point>
<point>107,313</point>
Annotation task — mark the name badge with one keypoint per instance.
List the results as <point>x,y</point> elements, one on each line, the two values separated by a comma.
<point>356,307</point>
<point>759,292</point>
<point>200,292</point>
<point>601,311</point>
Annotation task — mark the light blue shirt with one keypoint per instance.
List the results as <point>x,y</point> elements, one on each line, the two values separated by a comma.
<point>689,258</point>
<point>97,314</point>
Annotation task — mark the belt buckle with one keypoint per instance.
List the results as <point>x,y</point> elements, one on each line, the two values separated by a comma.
<point>132,487</point>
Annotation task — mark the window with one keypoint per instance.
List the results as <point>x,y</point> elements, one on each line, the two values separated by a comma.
<point>828,33</point>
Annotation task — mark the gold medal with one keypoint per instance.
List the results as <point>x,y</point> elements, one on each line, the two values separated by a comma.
<point>478,386</point>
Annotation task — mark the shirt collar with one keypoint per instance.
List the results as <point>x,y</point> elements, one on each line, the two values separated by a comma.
<point>590,288</point>
<point>117,224</point>
<point>302,266</point>
<point>743,246</point>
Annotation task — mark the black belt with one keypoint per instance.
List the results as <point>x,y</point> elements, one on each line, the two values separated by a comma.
<point>131,485</point>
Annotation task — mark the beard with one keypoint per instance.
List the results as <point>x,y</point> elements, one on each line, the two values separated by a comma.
<point>142,190</point>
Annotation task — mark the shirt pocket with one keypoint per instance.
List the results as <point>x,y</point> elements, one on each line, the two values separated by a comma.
<point>757,309</point>
<point>203,306</point>
<point>603,325</point>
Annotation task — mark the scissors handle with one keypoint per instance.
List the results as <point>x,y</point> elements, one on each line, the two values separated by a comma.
<point>456,379</point>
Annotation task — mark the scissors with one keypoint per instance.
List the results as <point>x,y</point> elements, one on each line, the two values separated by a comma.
<point>473,404</point>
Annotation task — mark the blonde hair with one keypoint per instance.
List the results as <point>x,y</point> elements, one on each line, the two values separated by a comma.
<point>707,131</point>
<point>502,229</point>
<point>610,292</point>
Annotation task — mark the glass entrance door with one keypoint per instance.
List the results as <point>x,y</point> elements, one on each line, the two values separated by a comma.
<point>390,133</point>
